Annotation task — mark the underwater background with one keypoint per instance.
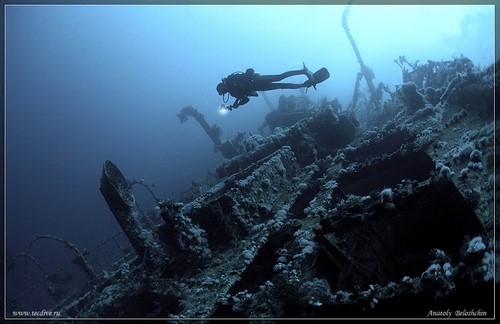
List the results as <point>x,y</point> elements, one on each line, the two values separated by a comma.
<point>85,84</point>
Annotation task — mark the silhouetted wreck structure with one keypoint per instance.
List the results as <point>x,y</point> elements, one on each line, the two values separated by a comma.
<point>327,219</point>
<point>228,148</point>
<point>290,110</point>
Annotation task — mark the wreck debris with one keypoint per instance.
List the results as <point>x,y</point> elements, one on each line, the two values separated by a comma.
<point>80,259</point>
<point>355,93</point>
<point>185,241</point>
<point>61,283</point>
<point>366,72</point>
<point>27,256</point>
<point>213,132</point>
<point>120,199</point>
<point>141,182</point>
<point>145,220</point>
<point>413,99</point>
<point>290,110</point>
<point>268,102</point>
<point>310,139</point>
<point>401,61</point>
<point>228,148</point>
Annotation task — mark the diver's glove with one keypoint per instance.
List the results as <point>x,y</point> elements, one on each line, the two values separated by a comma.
<point>224,108</point>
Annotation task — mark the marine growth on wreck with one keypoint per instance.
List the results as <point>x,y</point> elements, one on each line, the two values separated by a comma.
<point>331,216</point>
<point>382,209</point>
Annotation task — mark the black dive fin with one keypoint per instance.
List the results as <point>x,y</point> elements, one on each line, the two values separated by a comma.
<point>321,75</point>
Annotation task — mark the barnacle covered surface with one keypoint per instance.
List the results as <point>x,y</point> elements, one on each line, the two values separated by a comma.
<point>326,218</point>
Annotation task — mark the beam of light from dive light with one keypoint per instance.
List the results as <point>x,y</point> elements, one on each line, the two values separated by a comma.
<point>223,109</point>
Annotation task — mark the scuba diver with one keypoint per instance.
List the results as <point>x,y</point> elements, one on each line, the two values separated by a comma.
<point>244,85</point>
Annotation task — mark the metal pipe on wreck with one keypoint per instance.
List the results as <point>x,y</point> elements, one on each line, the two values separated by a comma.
<point>119,196</point>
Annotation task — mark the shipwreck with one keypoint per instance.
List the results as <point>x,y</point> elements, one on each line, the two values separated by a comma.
<point>324,218</point>
<point>376,210</point>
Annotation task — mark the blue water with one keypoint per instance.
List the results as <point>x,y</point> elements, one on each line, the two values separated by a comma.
<point>89,83</point>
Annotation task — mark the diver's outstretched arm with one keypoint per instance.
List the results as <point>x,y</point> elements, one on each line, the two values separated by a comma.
<point>235,103</point>
<point>241,102</point>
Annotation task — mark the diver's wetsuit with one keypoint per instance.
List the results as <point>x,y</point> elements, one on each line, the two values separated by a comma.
<point>243,85</point>
<point>265,82</point>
